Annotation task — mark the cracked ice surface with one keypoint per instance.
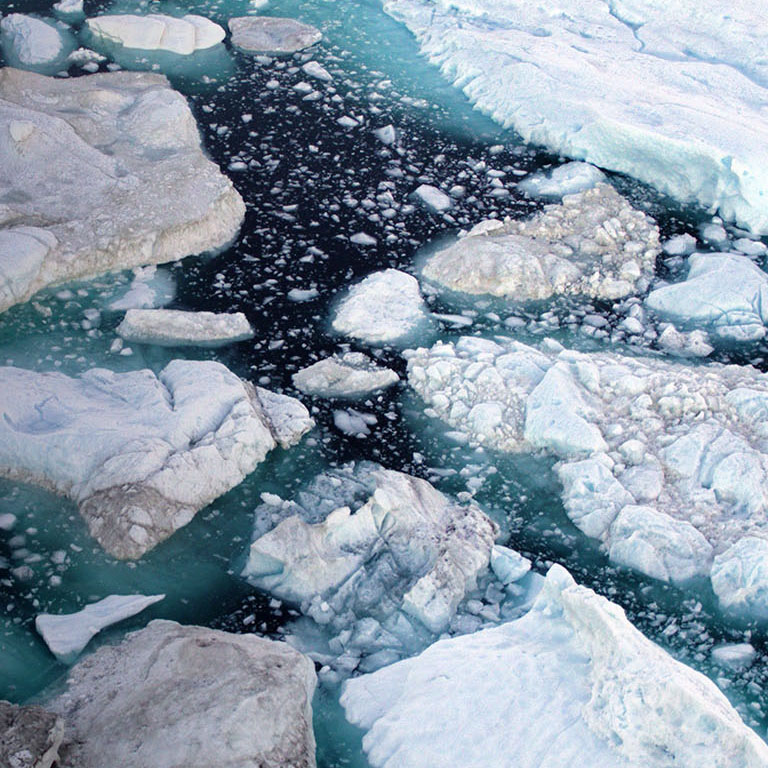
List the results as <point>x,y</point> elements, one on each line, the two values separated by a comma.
<point>665,464</point>
<point>73,210</point>
<point>644,87</point>
<point>140,453</point>
<point>570,678</point>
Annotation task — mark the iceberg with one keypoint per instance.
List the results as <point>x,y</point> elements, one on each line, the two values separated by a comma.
<point>671,94</point>
<point>572,678</point>
<point>352,374</point>
<point>593,244</point>
<point>29,41</point>
<point>172,695</point>
<point>269,34</point>
<point>75,210</point>
<point>665,464</point>
<point>140,453</point>
<point>566,179</point>
<point>175,328</point>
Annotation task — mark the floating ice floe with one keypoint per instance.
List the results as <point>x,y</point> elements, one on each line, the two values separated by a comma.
<point>644,88</point>
<point>352,374</point>
<point>31,736</point>
<point>666,464</point>
<point>171,695</point>
<point>593,244</point>
<point>433,198</point>
<point>157,32</point>
<point>567,179</point>
<point>175,328</point>
<point>66,635</point>
<point>140,453</point>
<point>73,209</point>
<point>28,41</point>
<point>386,307</point>
<point>269,34</point>
<point>724,293</point>
<point>69,9</point>
<point>381,561</point>
<point>570,679</point>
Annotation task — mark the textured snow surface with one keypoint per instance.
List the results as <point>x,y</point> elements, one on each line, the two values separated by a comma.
<point>30,736</point>
<point>269,34</point>
<point>140,453</point>
<point>74,208</point>
<point>66,635</point>
<point>670,93</point>
<point>29,40</point>
<point>665,463</point>
<point>157,32</point>
<point>725,293</point>
<point>172,695</point>
<point>572,678</point>
<point>386,307</point>
<point>352,374</point>
<point>593,244</point>
<point>173,327</point>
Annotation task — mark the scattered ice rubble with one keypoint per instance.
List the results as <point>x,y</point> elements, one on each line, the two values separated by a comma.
<point>173,327</point>
<point>157,32</point>
<point>381,563</point>
<point>572,678</point>
<point>140,453</point>
<point>593,244</point>
<point>351,374</point>
<point>29,41</point>
<point>172,695</point>
<point>646,88</point>
<point>66,635</point>
<point>73,209</point>
<point>30,737</point>
<point>386,307</point>
<point>269,34</point>
<point>664,463</point>
<point>566,179</point>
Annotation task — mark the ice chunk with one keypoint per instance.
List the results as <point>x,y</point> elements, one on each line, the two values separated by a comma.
<point>349,375</point>
<point>157,32</point>
<point>736,656</point>
<point>740,577</point>
<point>567,179</point>
<point>316,70</point>
<point>384,308</point>
<point>205,697</point>
<point>433,198</point>
<point>268,34</point>
<point>153,197</point>
<point>66,635</point>
<point>680,245</point>
<point>594,244</point>
<point>569,679</point>
<point>29,41</point>
<point>174,328</point>
<point>140,453</point>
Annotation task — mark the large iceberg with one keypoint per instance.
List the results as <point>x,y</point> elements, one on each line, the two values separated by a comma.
<point>171,695</point>
<point>102,173</point>
<point>593,244</point>
<point>140,453</point>
<point>666,464</point>
<point>670,93</point>
<point>571,683</point>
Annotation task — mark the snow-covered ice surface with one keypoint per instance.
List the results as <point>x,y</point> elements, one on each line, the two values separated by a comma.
<point>593,244</point>
<point>73,210</point>
<point>172,695</point>
<point>66,635</point>
<point>351,374</point>
<point>570,679</point>
<point>266,34</point>
<point>140,453</point>
<point>157,32</point>
<point>175,328</point>
<point>642,87</point>
<point>664,463</point>
<point>32,42</point>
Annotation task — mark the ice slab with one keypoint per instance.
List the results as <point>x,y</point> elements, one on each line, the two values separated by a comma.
<point>593,244</point>
<point>139,453</point>
<point>74,209</point>
<point>173,695</point>
<point>174,328</point>
<point>433,198</point>
<point>566,179</point>
<point>642,87</point>
<point>268,34</point>
<point>570,678</point>
<point>157,32</point>
<point>665,463</point>
<point>351,374</point>
<point>28,41</point>
<point>66,635</point>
